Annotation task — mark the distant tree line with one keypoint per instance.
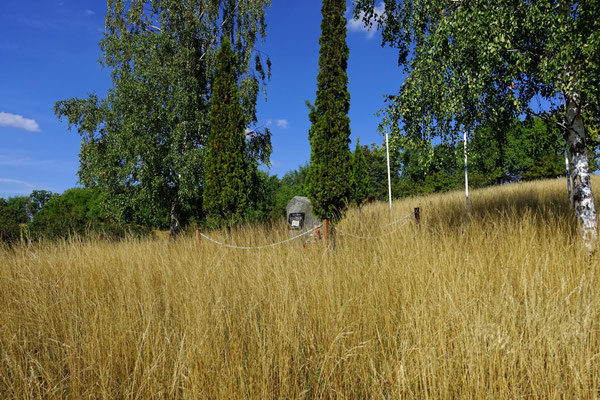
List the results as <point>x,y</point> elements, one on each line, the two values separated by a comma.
<point>529,150</point>
<point>174,143</point>
<point>522,151</point>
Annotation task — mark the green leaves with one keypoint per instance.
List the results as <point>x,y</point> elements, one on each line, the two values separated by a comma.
<point>470,62</point>
<point>225,189</point>
<point>144,144</point>
<point>359,176</point>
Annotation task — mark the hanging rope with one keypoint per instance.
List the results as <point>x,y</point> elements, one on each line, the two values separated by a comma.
<point>230,246</point>
<point>411,215</point>
<point>371,237</point>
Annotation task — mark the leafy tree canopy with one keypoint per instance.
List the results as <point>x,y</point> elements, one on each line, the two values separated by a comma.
<point>144,144</point>
<point>479,60</point>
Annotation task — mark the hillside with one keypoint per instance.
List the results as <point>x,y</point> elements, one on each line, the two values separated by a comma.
<point>505,304</point>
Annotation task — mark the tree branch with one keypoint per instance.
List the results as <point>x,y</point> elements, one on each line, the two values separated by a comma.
<point>214,39</point>
<point>549,118</point>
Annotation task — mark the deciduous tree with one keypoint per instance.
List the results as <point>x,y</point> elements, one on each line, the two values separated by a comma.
<point>469,61</point>
<point>144,144</point>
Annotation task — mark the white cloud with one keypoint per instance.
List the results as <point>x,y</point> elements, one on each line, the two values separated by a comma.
<point>14,187</point>
<point>357,25</point>
<point>283,123</point>
<point>16,182</point>
<point>89,13</point>
<point>17,121</point>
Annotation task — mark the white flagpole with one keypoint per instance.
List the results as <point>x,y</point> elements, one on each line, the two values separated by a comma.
<point>466,172</point>
<point>387,148</point>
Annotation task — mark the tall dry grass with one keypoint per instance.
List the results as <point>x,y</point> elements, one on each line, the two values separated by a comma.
<point>505,304</point>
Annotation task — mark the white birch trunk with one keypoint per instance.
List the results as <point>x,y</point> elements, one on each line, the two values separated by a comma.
<point>582,186</point>
<point>175,214</point>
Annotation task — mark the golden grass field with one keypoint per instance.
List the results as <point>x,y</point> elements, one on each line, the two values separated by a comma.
<point>505,304</point>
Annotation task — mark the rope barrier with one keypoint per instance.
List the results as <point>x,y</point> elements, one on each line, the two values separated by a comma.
<point>230,246</point>
<point>370,237</point>
<point>411,215</point>
<point>258,247</point>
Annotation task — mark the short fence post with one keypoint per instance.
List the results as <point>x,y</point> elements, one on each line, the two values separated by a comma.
<point>326,232</point>
<point>418,216</point>
<point>198,237</point>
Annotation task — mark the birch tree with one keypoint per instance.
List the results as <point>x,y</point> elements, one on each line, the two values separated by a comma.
<point>144,143</point>
<point>468,61</point>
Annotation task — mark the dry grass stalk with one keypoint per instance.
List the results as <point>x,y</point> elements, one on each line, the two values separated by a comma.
<point>505,304</point>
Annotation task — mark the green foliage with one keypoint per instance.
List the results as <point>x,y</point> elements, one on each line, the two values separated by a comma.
<point>293,183</point>
<point>359,177</point>
<point>37,200</point>
<point>18,208</point>
<point>520,151</point>
<point>329,135</point>
<point>470,62</point>
<point>77,211</point>
<point>263,196</point>
<point>9,222</point>
<point>144,144</point>
<point>376,160</point>
<point>225,187</point>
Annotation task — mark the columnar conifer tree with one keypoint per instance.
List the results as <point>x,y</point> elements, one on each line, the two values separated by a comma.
<point>328,177</point>
<point>359,177</point>
<point>225,189</point>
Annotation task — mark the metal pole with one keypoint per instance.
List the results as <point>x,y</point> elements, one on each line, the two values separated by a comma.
<point>466,172</point>
<point>387,148</point>
<point>568,177</point>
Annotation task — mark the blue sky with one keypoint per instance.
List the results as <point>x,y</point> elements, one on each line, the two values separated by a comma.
<point>49,52</point>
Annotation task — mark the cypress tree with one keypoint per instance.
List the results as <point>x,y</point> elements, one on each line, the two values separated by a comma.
<point>225,190</point>
<point>359,177</point>
<point>328,183</point>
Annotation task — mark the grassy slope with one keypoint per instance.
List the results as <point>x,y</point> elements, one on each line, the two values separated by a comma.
<point>505,305</point>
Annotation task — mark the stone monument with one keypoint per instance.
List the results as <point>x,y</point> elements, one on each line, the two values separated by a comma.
<point>299,215</point>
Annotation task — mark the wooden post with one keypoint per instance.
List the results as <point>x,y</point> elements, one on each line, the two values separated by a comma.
<point>198,237</point>
<point>418,216</point>
<point>326,232</point>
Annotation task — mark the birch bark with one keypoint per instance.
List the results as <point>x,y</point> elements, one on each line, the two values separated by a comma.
<point>175,215</point>
<point>583,197</point>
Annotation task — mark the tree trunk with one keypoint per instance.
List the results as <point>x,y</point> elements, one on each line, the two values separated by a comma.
<point>175,215</point>
<point>580,174</point>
